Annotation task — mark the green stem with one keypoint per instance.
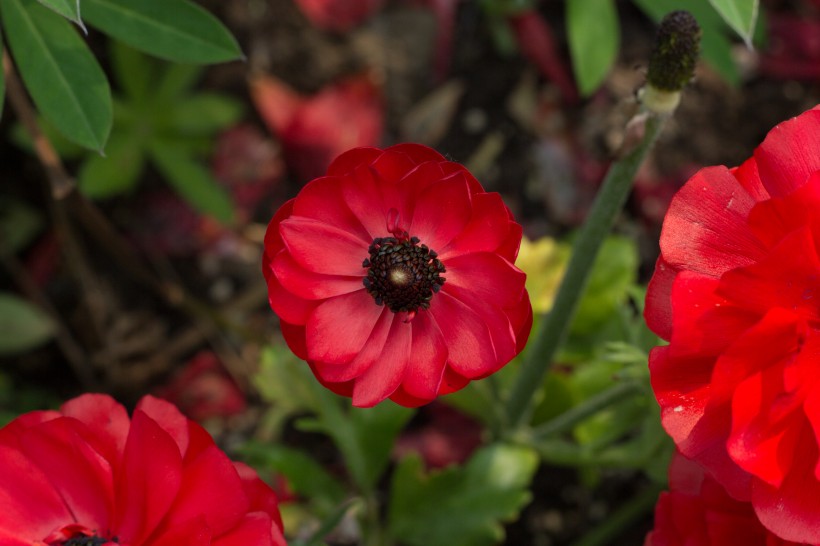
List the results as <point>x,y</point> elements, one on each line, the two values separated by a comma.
<point>622,518</point>
<point>553,330</point>
<point>588,407</point>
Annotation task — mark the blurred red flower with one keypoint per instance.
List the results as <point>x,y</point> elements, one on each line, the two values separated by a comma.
<point>736,291</point>
<point>393,276</point>
<point>315,129</point>
<point>203,389</point>
<point>338,15</point>
<point>87,475</point>
<point>697,511</point>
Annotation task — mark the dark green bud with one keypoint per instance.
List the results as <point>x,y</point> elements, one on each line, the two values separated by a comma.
<point>675,52</point>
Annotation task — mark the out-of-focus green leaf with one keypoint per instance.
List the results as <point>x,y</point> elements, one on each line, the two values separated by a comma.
<point>460,506</point>
<point>116,172</point>
<point>70,9</point>
<point>19,224</point>
<point>135,72</point>
<point>304,475</point>
<point>67,85</point>
<point>22,325</point>
<point>741,15</point>
<point>175,30</point>
<point>2,80</point>
<point>191,180</point>
<point>594,36</point>
<point>204,114</point>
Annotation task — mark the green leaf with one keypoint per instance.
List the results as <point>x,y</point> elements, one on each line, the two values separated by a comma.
<point>2,80</point>
<point>135,73</point>
<point>22,325</point>
<point>115,173</point>
<point>67,85</point>
<point>741,15</point>
<point>70,9</point>
<point>175,30</point>
<point>204,114</point>
<point>19,224</point>
<point>305,476</point>
<point>593,38</point>
<point>460,506</point>
<point>191,180</point>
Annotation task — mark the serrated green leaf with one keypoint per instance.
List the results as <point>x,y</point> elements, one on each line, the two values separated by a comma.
<point>115,173</point>
<point>19,224</point>
<point>741,15</point>
<point>192,180</point>
<point>70,9</point>
<point>67,85</point>
<point>594,36</point>
<point>460,506</point>
<point>22,325</point>
<point>204,114</point>
<point>175,30</point>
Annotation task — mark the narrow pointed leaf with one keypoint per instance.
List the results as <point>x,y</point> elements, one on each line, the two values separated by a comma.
<point>62,76</point>
<point>117,171</point>
<point>22,325</point>
<point>593,39</point>
<point>70,9</point>
<point>176,30</point>
<point>741,15</point>
<point>192,181</point>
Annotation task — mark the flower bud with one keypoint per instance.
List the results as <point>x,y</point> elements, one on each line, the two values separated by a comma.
<point>672,61</point>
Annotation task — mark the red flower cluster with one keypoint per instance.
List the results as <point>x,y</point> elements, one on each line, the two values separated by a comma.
<point>697,511</point>
<point>736,292</point>
<point>393,276</point>
<point>88,476</point>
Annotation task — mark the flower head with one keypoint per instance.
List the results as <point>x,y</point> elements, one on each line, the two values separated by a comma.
<point>393,276</point>
<point>736,291</point>
<point>697,511</point>
<point>87,475</point>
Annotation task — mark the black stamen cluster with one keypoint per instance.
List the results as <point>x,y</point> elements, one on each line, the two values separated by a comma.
<point>87,541</point>
<point>402,274</point>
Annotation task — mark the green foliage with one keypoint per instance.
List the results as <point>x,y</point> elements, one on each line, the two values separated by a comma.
<point>175,30</point>
<point>22,325</point>
<point>305,476</point>
<point>594,36</point>
<point>741,15</point>
<point>65,82</point>
<point>158,119</point>
<point>363,436</point>
<point>19,224</point>
<point>460,506</point>
<point>70,9</point>
<point>64,79</point>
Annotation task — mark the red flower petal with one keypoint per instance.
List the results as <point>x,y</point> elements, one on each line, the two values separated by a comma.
<point>441,212</point>
<point>488,277</point>
<point>705,228</point>
<point>468,340</point>
<point>323,248</point>
<point>386,373</point>
<point>351,159</point>
<point>106,418</point>
<point>148,481</point>
<point>290,307</point>
<point>322,199</point>
<point>327,340</point>
<point>309,285</point>
<point>790,153</point>
<point>334,372</point>
<point>485,232</point>
<point>427,361</point>
<point>255,529</point>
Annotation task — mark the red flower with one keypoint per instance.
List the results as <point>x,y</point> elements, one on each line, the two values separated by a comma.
<point>697,511</point>
<point>736,291</point>
<point>393,276</point>
<point>338,15</point>
<point>88,476</point>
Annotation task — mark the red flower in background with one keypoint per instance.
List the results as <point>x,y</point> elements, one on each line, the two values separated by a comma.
<point>87,475</point>
<point>393,276</point>
<point>316,129</point>
<point>203,389</point>
<point>338,15</point>
<point>697,511</point>
<point>736,291</point>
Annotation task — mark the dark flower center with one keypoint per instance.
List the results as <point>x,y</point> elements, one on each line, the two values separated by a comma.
<point>402,274</point>
<point>87,541</point>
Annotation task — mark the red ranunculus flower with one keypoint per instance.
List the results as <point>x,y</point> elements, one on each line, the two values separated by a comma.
<point>736,291</point>
<point>393,276</point>
<point>697,511</point>
<point>88,476</point>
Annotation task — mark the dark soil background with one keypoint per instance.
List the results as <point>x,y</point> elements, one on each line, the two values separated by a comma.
<point>138,314</point>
